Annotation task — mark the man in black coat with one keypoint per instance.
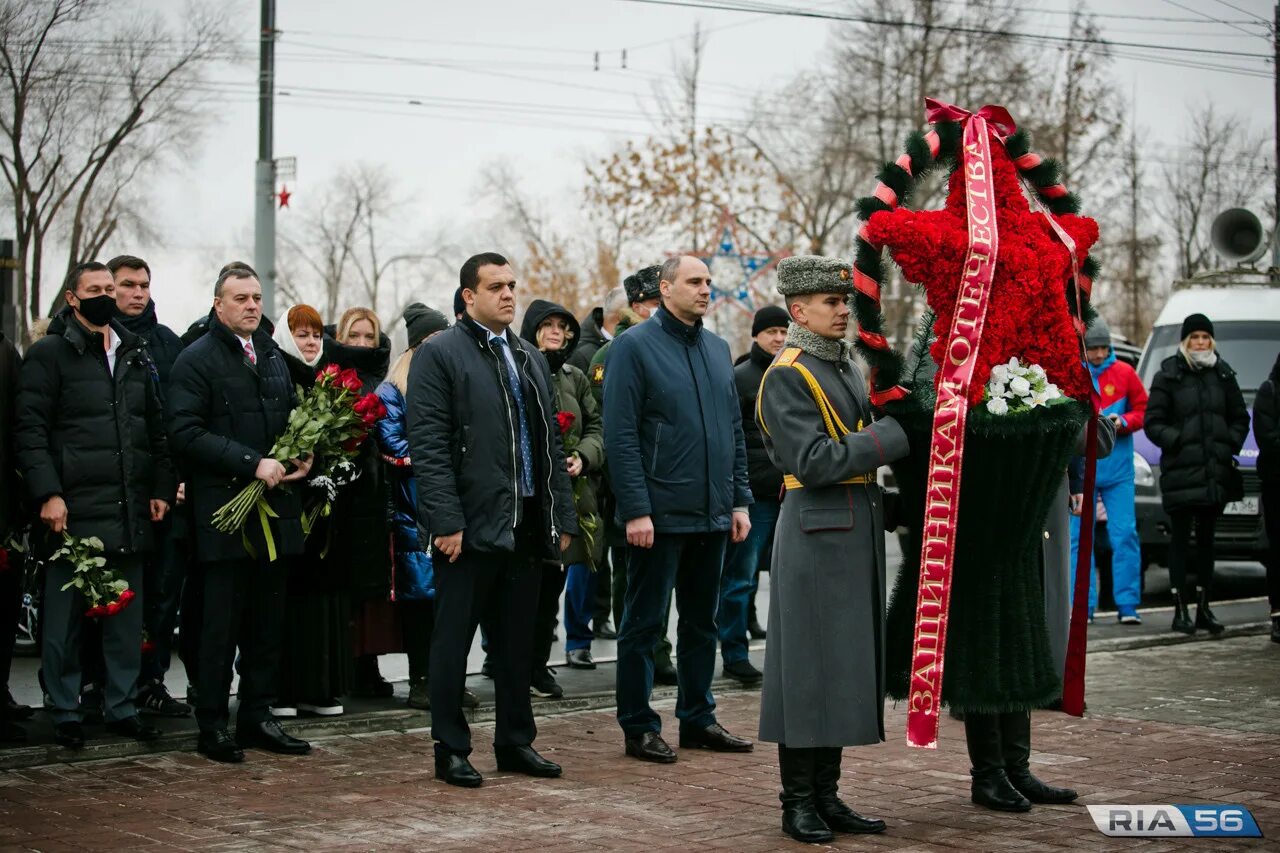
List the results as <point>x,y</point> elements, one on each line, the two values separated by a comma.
<point>229,400</point>
<point>166,568</point>
<point>677,463</point>
<point>738,581</point>
<point>94,457</point>
<point>495,495</point>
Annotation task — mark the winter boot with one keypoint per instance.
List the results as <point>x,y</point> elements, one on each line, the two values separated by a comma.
<point>838,816</point>
<point>754,629</point>
<point>1181,618</point>
<point>1204,616</point>
<point>1015,744</point>
<point>991,786</point>
<point>800,817</point>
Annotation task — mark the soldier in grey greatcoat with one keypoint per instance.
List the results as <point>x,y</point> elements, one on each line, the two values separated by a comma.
<point>824,680</point>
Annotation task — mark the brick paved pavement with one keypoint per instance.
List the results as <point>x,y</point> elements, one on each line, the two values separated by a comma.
<point>376,792</point>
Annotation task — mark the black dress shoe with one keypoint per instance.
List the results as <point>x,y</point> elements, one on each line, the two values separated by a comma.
<point>715,738</point>
<point>15,711</point>
<point>455,769</point>
<point>605,632</point>
<point>1038,792</point>
<point>756,631</point>
<point>840,818</point>
<point>995,791</point>
<point>219,746</point>
<point>665,675</point>
<point>69,735</point>
<point>134,728</point>
<point>11,732</point>
<point>650,747</point>
<point>580,659</point>
<point>525,759</point>
<point>269,736</point>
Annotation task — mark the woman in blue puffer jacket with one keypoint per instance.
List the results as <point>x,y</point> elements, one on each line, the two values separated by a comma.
<point>413,588</point>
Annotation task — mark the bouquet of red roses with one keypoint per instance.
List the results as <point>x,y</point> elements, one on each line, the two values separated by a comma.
<point>330,423</point>
<point>106,592</point>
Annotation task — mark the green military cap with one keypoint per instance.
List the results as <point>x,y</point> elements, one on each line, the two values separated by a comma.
<point>803,274</point>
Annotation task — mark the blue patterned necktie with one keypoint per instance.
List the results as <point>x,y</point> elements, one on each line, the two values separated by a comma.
<point>526,446</point>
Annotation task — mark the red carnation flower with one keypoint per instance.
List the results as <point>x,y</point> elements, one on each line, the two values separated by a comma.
<point>351,445</point>
<point>127,596</point>
<point>565,421</point>
<point>148,647</point>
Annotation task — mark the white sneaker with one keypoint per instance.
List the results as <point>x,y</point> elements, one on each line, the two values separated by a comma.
<point>285,711</point>
<point>327,708</point>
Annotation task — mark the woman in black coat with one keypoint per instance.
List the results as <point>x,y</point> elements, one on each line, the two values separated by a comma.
<point>315,662</point>
<point>361,520</point>
<point>1266,431</point>
<point>1197,416</point>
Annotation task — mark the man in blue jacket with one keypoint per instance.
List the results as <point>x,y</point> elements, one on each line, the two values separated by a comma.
<point>678,464</point>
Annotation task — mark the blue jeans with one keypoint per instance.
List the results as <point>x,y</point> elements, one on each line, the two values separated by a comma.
<point>738,580</point>
<point>1126,553</point>
<point>690,564</point>
<point>579,605</point>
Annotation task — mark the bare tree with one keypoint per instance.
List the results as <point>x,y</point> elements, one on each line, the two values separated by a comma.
<point>73,97</point>
<point>349,250</point>
<point>1221,165</point>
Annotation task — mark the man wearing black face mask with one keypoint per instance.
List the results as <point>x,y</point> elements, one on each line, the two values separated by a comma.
<point>92,452</point>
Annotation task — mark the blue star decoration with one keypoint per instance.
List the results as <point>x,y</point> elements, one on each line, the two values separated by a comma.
<point>736,290</point>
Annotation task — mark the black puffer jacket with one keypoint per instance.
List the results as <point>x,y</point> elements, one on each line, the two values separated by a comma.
<point>766,479</point>
<point>93,437</point>
<point>360,545</point>
<point>10,485</point>
<point>224,415</point>
<point>464,438</point>
<point>1266,425</point>
<point>1199,421</point>
<point>589,340</point>
<point>162,343</point>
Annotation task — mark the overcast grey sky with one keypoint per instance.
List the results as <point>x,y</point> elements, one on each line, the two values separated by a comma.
<point>516,80</point>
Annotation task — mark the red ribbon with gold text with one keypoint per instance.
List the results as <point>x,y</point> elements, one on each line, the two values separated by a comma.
<point>942,496</point>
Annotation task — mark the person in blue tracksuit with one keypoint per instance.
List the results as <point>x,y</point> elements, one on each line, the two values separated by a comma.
<point>1124,402</point>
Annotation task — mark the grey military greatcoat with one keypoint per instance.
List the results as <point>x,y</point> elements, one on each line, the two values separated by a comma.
<point>824,664</point>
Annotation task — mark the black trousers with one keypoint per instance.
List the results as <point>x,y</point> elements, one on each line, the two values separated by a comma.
<point>190,619</point>
<point>552,585</point>
<point>501,588</point>
<point>417,622</point>
<point>244,607</point>
<point>10,610</point>
<point>1186,558</point>
<point>163,577</point>
<point>1271,517</point>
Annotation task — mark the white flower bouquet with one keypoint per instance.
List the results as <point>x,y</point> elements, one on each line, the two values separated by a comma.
<point>1014,388</point>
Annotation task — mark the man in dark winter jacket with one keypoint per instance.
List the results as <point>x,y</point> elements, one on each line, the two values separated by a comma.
<point>229,400</point>
<point>495,495</point>
<point>678,467</point>
<point>93,454</point>
<point>598,328</point>
<point>738,581</point>
<point>166,568</point>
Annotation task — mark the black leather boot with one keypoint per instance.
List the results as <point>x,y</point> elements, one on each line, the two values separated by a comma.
<point>1015,743</point>
<point>1204,616</point>
<point>800,817</point>
<point>1181,618</point>
<point>838,816</point>
<point>991,786</point>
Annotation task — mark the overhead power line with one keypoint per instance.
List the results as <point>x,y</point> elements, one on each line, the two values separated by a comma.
<point>784,11</point>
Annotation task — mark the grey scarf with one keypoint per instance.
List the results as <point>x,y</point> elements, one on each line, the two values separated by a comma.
<point>816,345</point>
<point>1199,359</point>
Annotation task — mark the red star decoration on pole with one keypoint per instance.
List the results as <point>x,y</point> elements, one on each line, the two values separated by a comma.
<point>1028,316</point>
<point>284,195</point>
